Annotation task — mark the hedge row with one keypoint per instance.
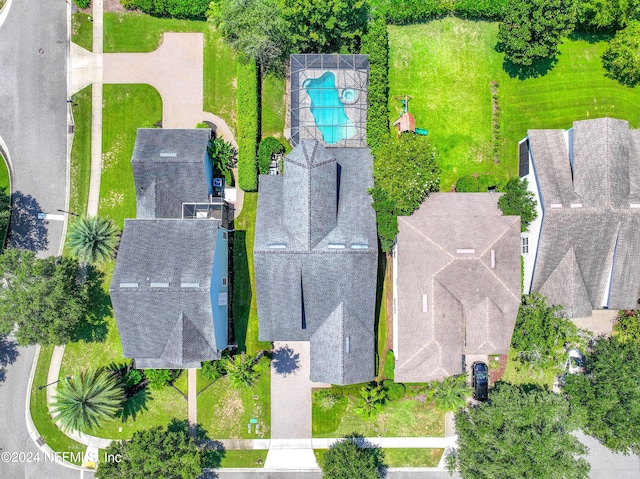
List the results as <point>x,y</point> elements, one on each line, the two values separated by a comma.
<point>248,125</point>
<point>169,8</point>
<point>413,11</point>
<point>375,43</point>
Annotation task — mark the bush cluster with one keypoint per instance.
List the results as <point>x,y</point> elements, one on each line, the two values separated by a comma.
<point>467,184</point>
<point>248,124</point>
<point>376,44</point>
<point>82,3</point>
<point>269,146</point>
<point>159,378</point>
<point>168,8</point>
<point>402,12</point>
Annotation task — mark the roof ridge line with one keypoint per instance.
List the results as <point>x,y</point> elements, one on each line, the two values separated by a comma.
<point>427,238</point>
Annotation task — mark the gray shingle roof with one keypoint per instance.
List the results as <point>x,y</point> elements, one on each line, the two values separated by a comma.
<point>168,169</point>
<point>450,300</point>
<point>315,256</point>
<point>165,321</point>
<point>577,244</point>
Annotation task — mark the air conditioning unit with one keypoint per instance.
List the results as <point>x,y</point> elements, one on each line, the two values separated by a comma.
<point>218,182</point>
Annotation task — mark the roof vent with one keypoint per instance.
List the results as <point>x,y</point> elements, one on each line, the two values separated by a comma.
<point>159,285</point>
<point>576,205</point>
<point>359,246</point>
<point>189,285</point>
<point>493,258</point>
<point>556,205</point>
<point>128,285</point>
<point>425,304</point>
<point>277,245</point>
<point>336,246</point>
<point>168,154</point>
<point>466,250</point>
<point>348,345</point>
<point>634,205</point>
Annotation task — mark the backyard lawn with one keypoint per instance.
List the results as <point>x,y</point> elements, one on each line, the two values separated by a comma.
<point>136,32</point>
<point>273,105</point>
<point>400,418</point>
<point>447,66</point>
<point>125,108</point>
<point>224,412</point>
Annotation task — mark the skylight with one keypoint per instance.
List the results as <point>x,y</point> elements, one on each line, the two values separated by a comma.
<point>189,285</point>
<point>168,154</point>
<point>128,285</point>
<point>336,246</point>
<point>277,245</point>
<point>359,246</point>
<point>159,285</point>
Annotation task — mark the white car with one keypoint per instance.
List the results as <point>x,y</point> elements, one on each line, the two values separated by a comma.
<point>574,362</point>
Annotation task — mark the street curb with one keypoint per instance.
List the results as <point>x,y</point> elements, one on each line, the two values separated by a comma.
<point>5,11</point>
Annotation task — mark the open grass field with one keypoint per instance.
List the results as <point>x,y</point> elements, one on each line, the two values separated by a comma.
<point>136,32</point>
<point>447,66</point>
<point>224,412</point>
<point>401,418</point>
<point>82,30</point>
<point>81,152</point>
<point>125,108</point>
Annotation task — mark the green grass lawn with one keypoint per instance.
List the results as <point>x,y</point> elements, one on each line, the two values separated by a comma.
<point>53,436</point>
<point>81,152</point>
<point>273,105</point>
<point>399,457</point>
<point>244,307</point>
<point>381,310</point>
<point>126,108</point>
<point>519,373</point>
<point>401,418</point>
<point>224,412</point>
<point>4,173</point>
<point>245,458</point>
<point>82,30</point>
<point>447,66</point>
<point>136,32</point>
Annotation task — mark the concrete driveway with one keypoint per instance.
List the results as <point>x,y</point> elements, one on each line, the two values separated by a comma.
<point>33,119</point>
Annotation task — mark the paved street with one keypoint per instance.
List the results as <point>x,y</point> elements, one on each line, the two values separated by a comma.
<point>33,119</point>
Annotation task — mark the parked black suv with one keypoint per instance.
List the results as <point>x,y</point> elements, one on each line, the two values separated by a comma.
<point>480,381</point>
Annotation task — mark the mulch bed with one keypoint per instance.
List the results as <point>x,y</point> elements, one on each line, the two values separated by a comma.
<point>496,374</point>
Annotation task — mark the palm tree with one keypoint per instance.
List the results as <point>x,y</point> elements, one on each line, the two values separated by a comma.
<point>451,394</point>
<point>86,401</point>
<point>242,372</point>
<point>93,239</point>
<point>371,399</point>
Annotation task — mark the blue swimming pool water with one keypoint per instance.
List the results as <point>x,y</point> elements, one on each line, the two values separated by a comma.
<point>328,110</point>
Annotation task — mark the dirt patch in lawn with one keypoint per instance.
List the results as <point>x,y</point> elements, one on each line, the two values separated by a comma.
<point>495,374</point>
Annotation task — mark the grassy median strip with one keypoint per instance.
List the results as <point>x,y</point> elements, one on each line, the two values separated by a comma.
<point>81,152</point>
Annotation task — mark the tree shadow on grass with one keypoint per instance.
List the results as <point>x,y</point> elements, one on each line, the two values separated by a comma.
<point>135,405</point>
<point>94,327</point>
<point>241,298</point>
<point>26,230</point>
<point>591,37</point>
<point>285,361</point>
<point>213,451</point>
<point>537,69</point>
<point>8,355</point>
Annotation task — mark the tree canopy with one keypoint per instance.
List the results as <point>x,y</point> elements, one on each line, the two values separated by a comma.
<point>621,59</point>
<point>522,432</point>
<point>540,330</point>
<point>405,171</point>
<point>153,453</point>
<point>43,297</point>
<point>608,393</point>
<point>256,28</point>
<point>607,14</point>
<point>519,201</point>
<point>349,459</point>
<point>5,211</point>
<point>532,29</point>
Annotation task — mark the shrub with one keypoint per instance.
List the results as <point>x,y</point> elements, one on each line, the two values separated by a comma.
<point>467,184</point>
<point>170,8</point>
<point>132,378</point>
<point>371,400</point>
<point>268,147</point>
<point>394,390</point>
<point>628,325</point>
<point>389,365</point>
<point>519,201</point>
<point>159,378</point>
<point>375,43</point>
<point>82,3</point>
<point>248,127</point>
<point>213,370</point>
<point>326,399</point>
